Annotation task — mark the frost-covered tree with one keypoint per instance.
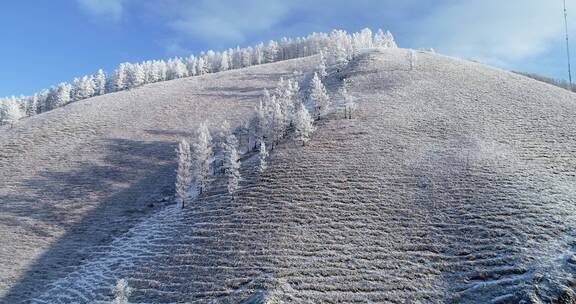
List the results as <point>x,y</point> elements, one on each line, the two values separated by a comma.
<point>232,163</point>
<point>246,56</point>
<point>135,75</point>
<point>191,65</point>
<point>158,71</point>
<point>32,107</point>
<point>271,52</point>
<point>261,122</point>
<point>347,100</point>
<point>283,97</point>
<point>88,86</point>
<point>224,62</point>
<point>384,40</point>
<point>259,53</point>
<point>318,96</point>
<point>276,121</point>
<point>59,96</point>
<point>100,83</point>
<point>119,79</point>
<point>121,292</point>
<point>322,66</point>
<point>203,157</point>
<point>303,125</point>
<point>379,39</point>
<point>212,61</point>
<point>183,173</point>
<point>389,41</point>
<point>43,101</point>
<point>361,40</point>
<point>225,131</point>
<point>340,47</point>
<point>176,69</point>
<point>10,111</point>
<point>294,96</point>
<point>76,93</point>
<point>262,158</point>
<point>201,66</point>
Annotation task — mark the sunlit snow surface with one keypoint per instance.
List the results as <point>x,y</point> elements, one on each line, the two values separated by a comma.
<point>453,182</point>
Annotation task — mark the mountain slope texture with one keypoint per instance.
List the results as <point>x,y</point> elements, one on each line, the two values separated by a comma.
<point>453,182</point>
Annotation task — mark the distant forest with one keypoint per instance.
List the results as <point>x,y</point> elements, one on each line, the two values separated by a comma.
<point>557,82</point>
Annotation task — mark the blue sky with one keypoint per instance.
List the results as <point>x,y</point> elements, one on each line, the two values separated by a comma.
<point>46,42</point>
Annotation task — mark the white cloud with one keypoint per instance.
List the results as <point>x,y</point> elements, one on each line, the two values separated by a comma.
<point>493,31</point>
<point>219,20</point>
<point>103,8</point>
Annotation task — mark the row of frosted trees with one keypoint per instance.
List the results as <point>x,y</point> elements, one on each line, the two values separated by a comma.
<point>338,47</point>
<point>280,114</point>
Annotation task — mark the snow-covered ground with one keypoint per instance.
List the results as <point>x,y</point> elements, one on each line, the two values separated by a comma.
<point>454,182</point>
<point>81,175</point>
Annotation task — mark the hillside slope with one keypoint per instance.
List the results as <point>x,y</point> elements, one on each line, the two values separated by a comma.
<point>453,182</point>
<point>78,176</point>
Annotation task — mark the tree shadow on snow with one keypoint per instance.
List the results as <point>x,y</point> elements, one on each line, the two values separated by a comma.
<point>107,198</point>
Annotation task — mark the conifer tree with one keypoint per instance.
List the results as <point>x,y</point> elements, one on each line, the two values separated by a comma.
<point>201,66</point>
<point>32,107</point>
<point>135,75</point>
<point>43,101</point>
<point>119,81</point>
<point>191,65</point>
<point>183,173</point>
<point>322,66</point>
<point>121,292</point>
<point>76,93</point>
<point>232,163</point>
<point>276,123</point>
<point>224,62</point>
<point>259,53</point>
<point>225,131</point>
<point>176,69</point>
<point>340,47</point>
<point>379,39</point>
<point>384,40</point>
<point>303,125</point>
<point>262,157</point>
<point>61,95</point>
<point>389,41</point>
<point>88,86</point>
<point>347,100</point>
<point>10,111</point>
<point>261,122</point>
<point>271,52</point>
<point>318,96</point>
<point>100,83</point>
<point>203,157</point>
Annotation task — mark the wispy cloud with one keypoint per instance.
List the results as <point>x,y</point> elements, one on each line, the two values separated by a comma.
<point>493,31</point>
<point>109,9</point>
<point>225,21</point>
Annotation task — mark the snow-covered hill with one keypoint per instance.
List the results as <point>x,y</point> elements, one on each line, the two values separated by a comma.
<point>453,182</point>
<point>80,175</point>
